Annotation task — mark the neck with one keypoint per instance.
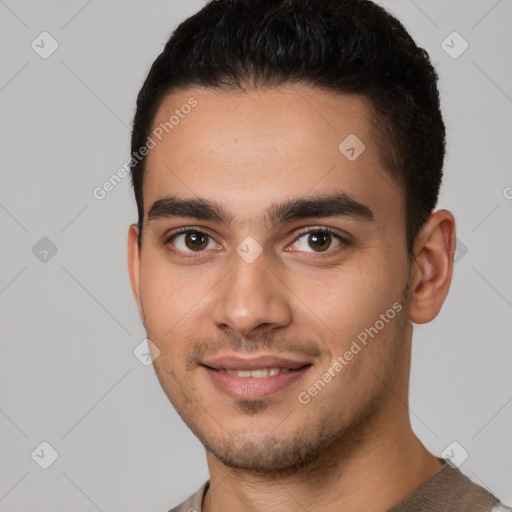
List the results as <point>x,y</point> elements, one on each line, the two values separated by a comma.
<point>371,468</point>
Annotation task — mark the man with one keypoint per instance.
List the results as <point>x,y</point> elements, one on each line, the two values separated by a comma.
<point>289,158</point>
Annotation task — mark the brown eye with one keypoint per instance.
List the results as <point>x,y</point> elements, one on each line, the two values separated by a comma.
<point>192,241</point>
<point>196,241</point>
<point>317,240</point>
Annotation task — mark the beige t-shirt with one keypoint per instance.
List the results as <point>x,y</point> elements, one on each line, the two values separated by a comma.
<point>447,490</point>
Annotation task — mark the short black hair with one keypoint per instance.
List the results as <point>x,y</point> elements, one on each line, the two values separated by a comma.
<point>345,46</point>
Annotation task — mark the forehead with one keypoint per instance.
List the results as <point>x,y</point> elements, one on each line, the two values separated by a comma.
<point>257,147</point>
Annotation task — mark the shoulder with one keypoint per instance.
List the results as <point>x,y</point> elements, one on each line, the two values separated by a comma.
<point>450,490</point>
<point>193,503</point>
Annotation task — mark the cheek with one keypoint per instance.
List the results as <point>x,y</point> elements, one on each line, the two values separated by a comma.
<point>168,294</point>
<point>165,302</point>
<point>175,303</point>
<point>348,299</point>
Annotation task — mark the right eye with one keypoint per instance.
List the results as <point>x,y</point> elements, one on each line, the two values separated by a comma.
<point>192,240</point>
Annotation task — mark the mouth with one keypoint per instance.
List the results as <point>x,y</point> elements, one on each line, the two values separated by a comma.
<point>254,378</point>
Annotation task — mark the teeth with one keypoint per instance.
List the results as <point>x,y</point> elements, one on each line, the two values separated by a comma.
<point>260,373</point>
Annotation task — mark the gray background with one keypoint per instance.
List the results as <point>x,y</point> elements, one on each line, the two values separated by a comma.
<point>68,375</point>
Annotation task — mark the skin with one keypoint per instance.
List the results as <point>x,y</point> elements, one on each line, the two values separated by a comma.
<point>351,447</point>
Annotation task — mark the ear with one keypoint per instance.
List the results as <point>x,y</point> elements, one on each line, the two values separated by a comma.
<point>434,251</point>
<point>134,264</point>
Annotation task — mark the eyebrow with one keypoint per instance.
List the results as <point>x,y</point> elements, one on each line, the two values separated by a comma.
<point>336,205</point>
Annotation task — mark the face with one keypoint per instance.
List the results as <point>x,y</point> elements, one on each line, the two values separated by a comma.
<point>273,271</point>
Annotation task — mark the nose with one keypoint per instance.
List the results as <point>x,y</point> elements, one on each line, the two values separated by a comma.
<point>251,300</point>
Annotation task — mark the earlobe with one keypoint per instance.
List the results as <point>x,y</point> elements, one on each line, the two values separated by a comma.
<point>434,251</point>
<point>134,264</point>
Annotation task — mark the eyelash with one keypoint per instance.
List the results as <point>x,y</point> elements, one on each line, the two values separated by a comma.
<point>344,241</point>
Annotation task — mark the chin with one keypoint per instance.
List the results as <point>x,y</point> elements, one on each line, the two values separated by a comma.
<point>266,453</point>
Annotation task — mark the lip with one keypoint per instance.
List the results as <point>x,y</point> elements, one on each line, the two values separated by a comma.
<point>253,363</point>
<point>253,388</point>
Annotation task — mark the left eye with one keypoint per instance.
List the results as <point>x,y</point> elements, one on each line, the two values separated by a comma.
<point>317,241</point>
